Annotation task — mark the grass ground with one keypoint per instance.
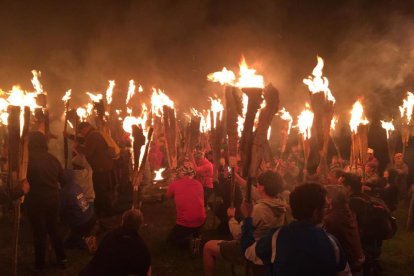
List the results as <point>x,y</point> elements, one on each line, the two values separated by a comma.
<point>397,258</point>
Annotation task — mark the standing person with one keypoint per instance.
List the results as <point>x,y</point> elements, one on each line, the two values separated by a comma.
<point>302,247</point>
<point>45,176</point>
<point>76,212</point>
<point>341,222</point>
<point>97,153</point>
<point>189,204</point>
<point>402,169</point>
<point>204,173</point>
<point>122,251</point>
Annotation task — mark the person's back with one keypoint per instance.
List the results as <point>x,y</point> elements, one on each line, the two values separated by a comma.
<point>96,152</point>
<point>122,251</point>
<point>302,248</point>
<point>189,202</point>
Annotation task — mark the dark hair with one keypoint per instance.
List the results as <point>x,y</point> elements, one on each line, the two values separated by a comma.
<point>307,198</point>
<point>83,125</point>
<point>132,219</point>
<point>392,176</point>
<point>338,172</point>
<point>272,183</point>
<point>354,181</point>
<point>37,141</point>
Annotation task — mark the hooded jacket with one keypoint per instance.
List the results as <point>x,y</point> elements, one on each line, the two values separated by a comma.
<point>45,173</point>
<point>267,214</point>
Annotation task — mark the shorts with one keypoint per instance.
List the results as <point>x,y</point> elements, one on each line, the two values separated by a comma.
<point>231,252</point>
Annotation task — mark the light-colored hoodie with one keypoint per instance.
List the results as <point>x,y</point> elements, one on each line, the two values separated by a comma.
<point>83,177</point>
<point>267,214</point>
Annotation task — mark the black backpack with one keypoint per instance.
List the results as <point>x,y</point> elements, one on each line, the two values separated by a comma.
<point>377,223</point>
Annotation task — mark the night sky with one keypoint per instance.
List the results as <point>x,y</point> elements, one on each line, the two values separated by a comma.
<point>367,45</point>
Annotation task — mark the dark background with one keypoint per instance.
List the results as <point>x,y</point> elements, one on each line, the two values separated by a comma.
<point>367,46</point>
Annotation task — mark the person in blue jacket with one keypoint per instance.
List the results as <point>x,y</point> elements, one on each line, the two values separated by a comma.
<point>302,247</point>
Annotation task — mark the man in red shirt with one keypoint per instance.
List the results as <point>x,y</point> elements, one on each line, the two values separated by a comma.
<point>204,173</point>
<point>189,202</point>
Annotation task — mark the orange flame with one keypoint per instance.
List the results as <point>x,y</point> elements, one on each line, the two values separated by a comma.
<point>131,91</point>
<point>357,117</point>
<point>95,98</point>
<point>248,77</point>
<point>36,83</point>
<point>317,83</point>
<point>334,122</point>
<point>388,126</point>
<point>217,110</point>
<point>223,77</point>
<point>158,100</point>
<point>110,91</point>
<point>67,95</point>
<point>406,109</point>
<point>158,174</point>
<point>305,122</point>
<point>285,115</point>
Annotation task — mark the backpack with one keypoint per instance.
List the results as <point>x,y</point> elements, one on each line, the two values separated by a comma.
<point>378,223</point>
<point>113,148</point>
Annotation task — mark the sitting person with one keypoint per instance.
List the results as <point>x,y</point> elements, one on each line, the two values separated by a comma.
<point>302,247</point>
<point>122,251</point>
<point>189,204</point>
<point>268,212</point>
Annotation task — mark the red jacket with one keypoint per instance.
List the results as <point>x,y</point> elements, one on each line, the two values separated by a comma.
<point>204,173</point>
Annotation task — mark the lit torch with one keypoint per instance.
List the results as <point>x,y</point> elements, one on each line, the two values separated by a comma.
<point>252,85</point>
<point>406,110</point>
<point>158,175</point>
<point>66,100</point>
<point>391,141</point>
<point>322,103</point>
<point>359,129</point>
<point>305,122</point>
<point>285,130</point>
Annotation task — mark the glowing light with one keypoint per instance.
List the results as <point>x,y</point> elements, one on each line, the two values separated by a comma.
<point>317,83</point>
<point>248,77</point>
<point>305,122</point>
<point>217,110</point>
<point>95,98</point>
<point>223,77</point>
<point>406,109</point>
<point>158,174</point>
<point>131,91</point>
<point>36,83</point>
<point>110,91</point>
<point>389,127</point>
<point>357,117</point>
<point>334,122</point>
<point>285,116</point>
<point>67,95</point>
<point>158,100</point>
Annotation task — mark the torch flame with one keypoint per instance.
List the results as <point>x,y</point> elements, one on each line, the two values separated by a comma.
<point>131,91</point>
<point>140,89</point>
<point>406,109</point>
<point>223,77</point>
<point>158,100</point>
<point>217,109</point>
<point>305,122</point>
<point>388,126</point>
<point>67,95</point>
<point>357,117</point>
<point>82,114</point>
<point>18,97</point>
<point>285,116</point>
<point>248,77</point>
<point>158,174</point>
<point>317,83</point>
<point>36,83</point>
<point>109,91</point>
<point>95,98</point>
<point>240,119</point>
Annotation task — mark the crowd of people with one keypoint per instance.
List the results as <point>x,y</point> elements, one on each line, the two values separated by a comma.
<point>297,222</point>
